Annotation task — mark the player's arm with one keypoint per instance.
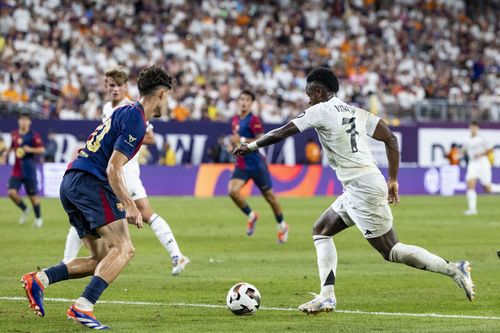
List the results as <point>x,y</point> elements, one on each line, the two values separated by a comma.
<point>116,180</point>
<point>34,150</point>
<point>149,138</point>
<point>267,139</point>
<point>383,133</point>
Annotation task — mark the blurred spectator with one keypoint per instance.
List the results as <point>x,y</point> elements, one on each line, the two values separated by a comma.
<point>3,152</point>
<point>180,113</point>
<point>50,147</point>
<point>313,152</point>
<point>453,155</point>
<point>168,155</point>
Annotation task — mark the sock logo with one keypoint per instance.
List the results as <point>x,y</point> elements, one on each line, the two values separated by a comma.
<point>368,232</point>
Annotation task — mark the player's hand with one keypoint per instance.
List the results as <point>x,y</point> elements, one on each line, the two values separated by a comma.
<point>241,150</point>
<point>27,149</point>
<point>235,139</point>
<point>393,189</point>
<point>133,216</point>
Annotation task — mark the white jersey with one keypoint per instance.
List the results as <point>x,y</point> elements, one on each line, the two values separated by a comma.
<point>342,131</point>
<point>131,168</point>
<point>475,147</point>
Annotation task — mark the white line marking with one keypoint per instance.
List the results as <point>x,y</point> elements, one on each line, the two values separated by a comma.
<point>400,314</point>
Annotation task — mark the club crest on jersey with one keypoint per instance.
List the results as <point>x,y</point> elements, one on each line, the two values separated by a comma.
<point>120,207</point>
<point>19,141</point>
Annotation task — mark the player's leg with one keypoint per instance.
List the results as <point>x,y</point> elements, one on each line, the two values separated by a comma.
<point>35,203</point>
<point>391,249</point>
<point>471,195</point>
<point>485,180</point>
<point>262,178</point>
<point>328,224</point>
<point>13,193</point>
<point>238,180</point>
<point>164,234</point>
<point>72,245</point>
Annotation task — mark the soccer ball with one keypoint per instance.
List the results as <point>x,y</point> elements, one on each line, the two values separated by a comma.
<point>243,299</point>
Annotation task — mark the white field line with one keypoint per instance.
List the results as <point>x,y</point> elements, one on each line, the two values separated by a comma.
<point>377,313</point>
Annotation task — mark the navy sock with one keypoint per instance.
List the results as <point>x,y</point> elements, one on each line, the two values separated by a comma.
<point>246,210</point>
<point>37,210</point>
<point>94,289</point>
<point>279,218</point>
<point>57,273</point>
<point>22,205</point>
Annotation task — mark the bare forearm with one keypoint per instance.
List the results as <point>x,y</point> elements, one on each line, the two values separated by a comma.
<point>115,177</point>
<point>33,150</point>
<point>277,135</point>
<point>392,151</point>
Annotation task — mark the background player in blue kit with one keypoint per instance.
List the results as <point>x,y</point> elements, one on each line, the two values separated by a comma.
<point>98,204</point>
<point>247,127</point>
<point>26,144</point>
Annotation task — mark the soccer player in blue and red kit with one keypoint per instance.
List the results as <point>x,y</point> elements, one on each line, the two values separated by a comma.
<point>26,144</point>
<point>247,127</point>
<point>95,197</point>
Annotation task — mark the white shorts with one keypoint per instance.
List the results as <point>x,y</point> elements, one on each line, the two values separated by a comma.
<point>481,170</point>
<point>364,204</point>
<point>135,187</point>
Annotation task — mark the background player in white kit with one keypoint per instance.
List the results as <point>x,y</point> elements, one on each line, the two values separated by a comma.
<point>343,131</point>
<point>478,168</point>
<point>116,88</point>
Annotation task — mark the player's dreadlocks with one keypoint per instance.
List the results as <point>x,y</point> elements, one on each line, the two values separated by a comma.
<point>151,78</point>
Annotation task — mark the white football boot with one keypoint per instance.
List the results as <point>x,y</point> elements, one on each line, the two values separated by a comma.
<point>463,279</point>
<point>179,264</point>
<point>319,304</point>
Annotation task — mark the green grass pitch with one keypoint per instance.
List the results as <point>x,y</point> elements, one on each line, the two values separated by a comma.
<point>212,233</point>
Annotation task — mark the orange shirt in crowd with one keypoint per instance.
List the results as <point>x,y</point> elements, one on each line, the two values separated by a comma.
<point>180,113</point>
<point>454,156</point>
<point>313,152</point>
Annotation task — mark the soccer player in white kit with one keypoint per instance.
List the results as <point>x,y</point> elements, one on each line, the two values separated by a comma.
<point>478,168</point>
<point>116,88</point>
<point>343,131</point>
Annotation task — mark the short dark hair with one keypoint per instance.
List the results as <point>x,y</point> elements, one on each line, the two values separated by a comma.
<point>248,93</point>
<point>325,77</point>
<point>474,123</point>
<point>150,78</point>
<point>24,114</point>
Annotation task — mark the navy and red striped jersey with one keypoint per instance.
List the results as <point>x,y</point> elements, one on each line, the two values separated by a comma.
<point>25,165</point>
<point>249,127</point>
<point>123,131</point>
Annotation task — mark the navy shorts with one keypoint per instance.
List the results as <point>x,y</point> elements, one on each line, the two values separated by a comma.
<point>260,176</point>
<point>89,202</point>
<point>30,184</point>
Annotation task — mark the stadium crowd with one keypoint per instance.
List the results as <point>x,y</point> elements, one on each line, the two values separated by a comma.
<point>54,53</point>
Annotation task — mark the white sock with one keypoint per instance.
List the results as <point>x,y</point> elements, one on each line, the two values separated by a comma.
<point>72,246</point>
<point>327,263</point>
<point>281,225</point>
<point>418,257</point>
<point>43,278</point>
<point>164,235</point>
<point>495,188</point>
<point>84,304</point>
<point>472,199</point>
<point>251,216</point>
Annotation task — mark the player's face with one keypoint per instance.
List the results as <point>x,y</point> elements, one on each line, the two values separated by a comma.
<point>24,123</point>
<point>161,108</point>
<point>115,91</point>
<point>473,130</point>
<point>244,103</point>
<point>314,93</point>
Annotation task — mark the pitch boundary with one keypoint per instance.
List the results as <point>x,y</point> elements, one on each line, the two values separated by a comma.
<point>218,306</point>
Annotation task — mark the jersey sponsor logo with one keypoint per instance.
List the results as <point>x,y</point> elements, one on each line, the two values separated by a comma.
<point>131,140</point>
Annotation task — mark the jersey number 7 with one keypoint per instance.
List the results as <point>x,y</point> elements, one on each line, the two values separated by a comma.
<point>352,131</point>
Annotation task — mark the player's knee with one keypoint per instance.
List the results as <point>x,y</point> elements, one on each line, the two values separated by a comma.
<point>128,251</point>
<point>233,193</point>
